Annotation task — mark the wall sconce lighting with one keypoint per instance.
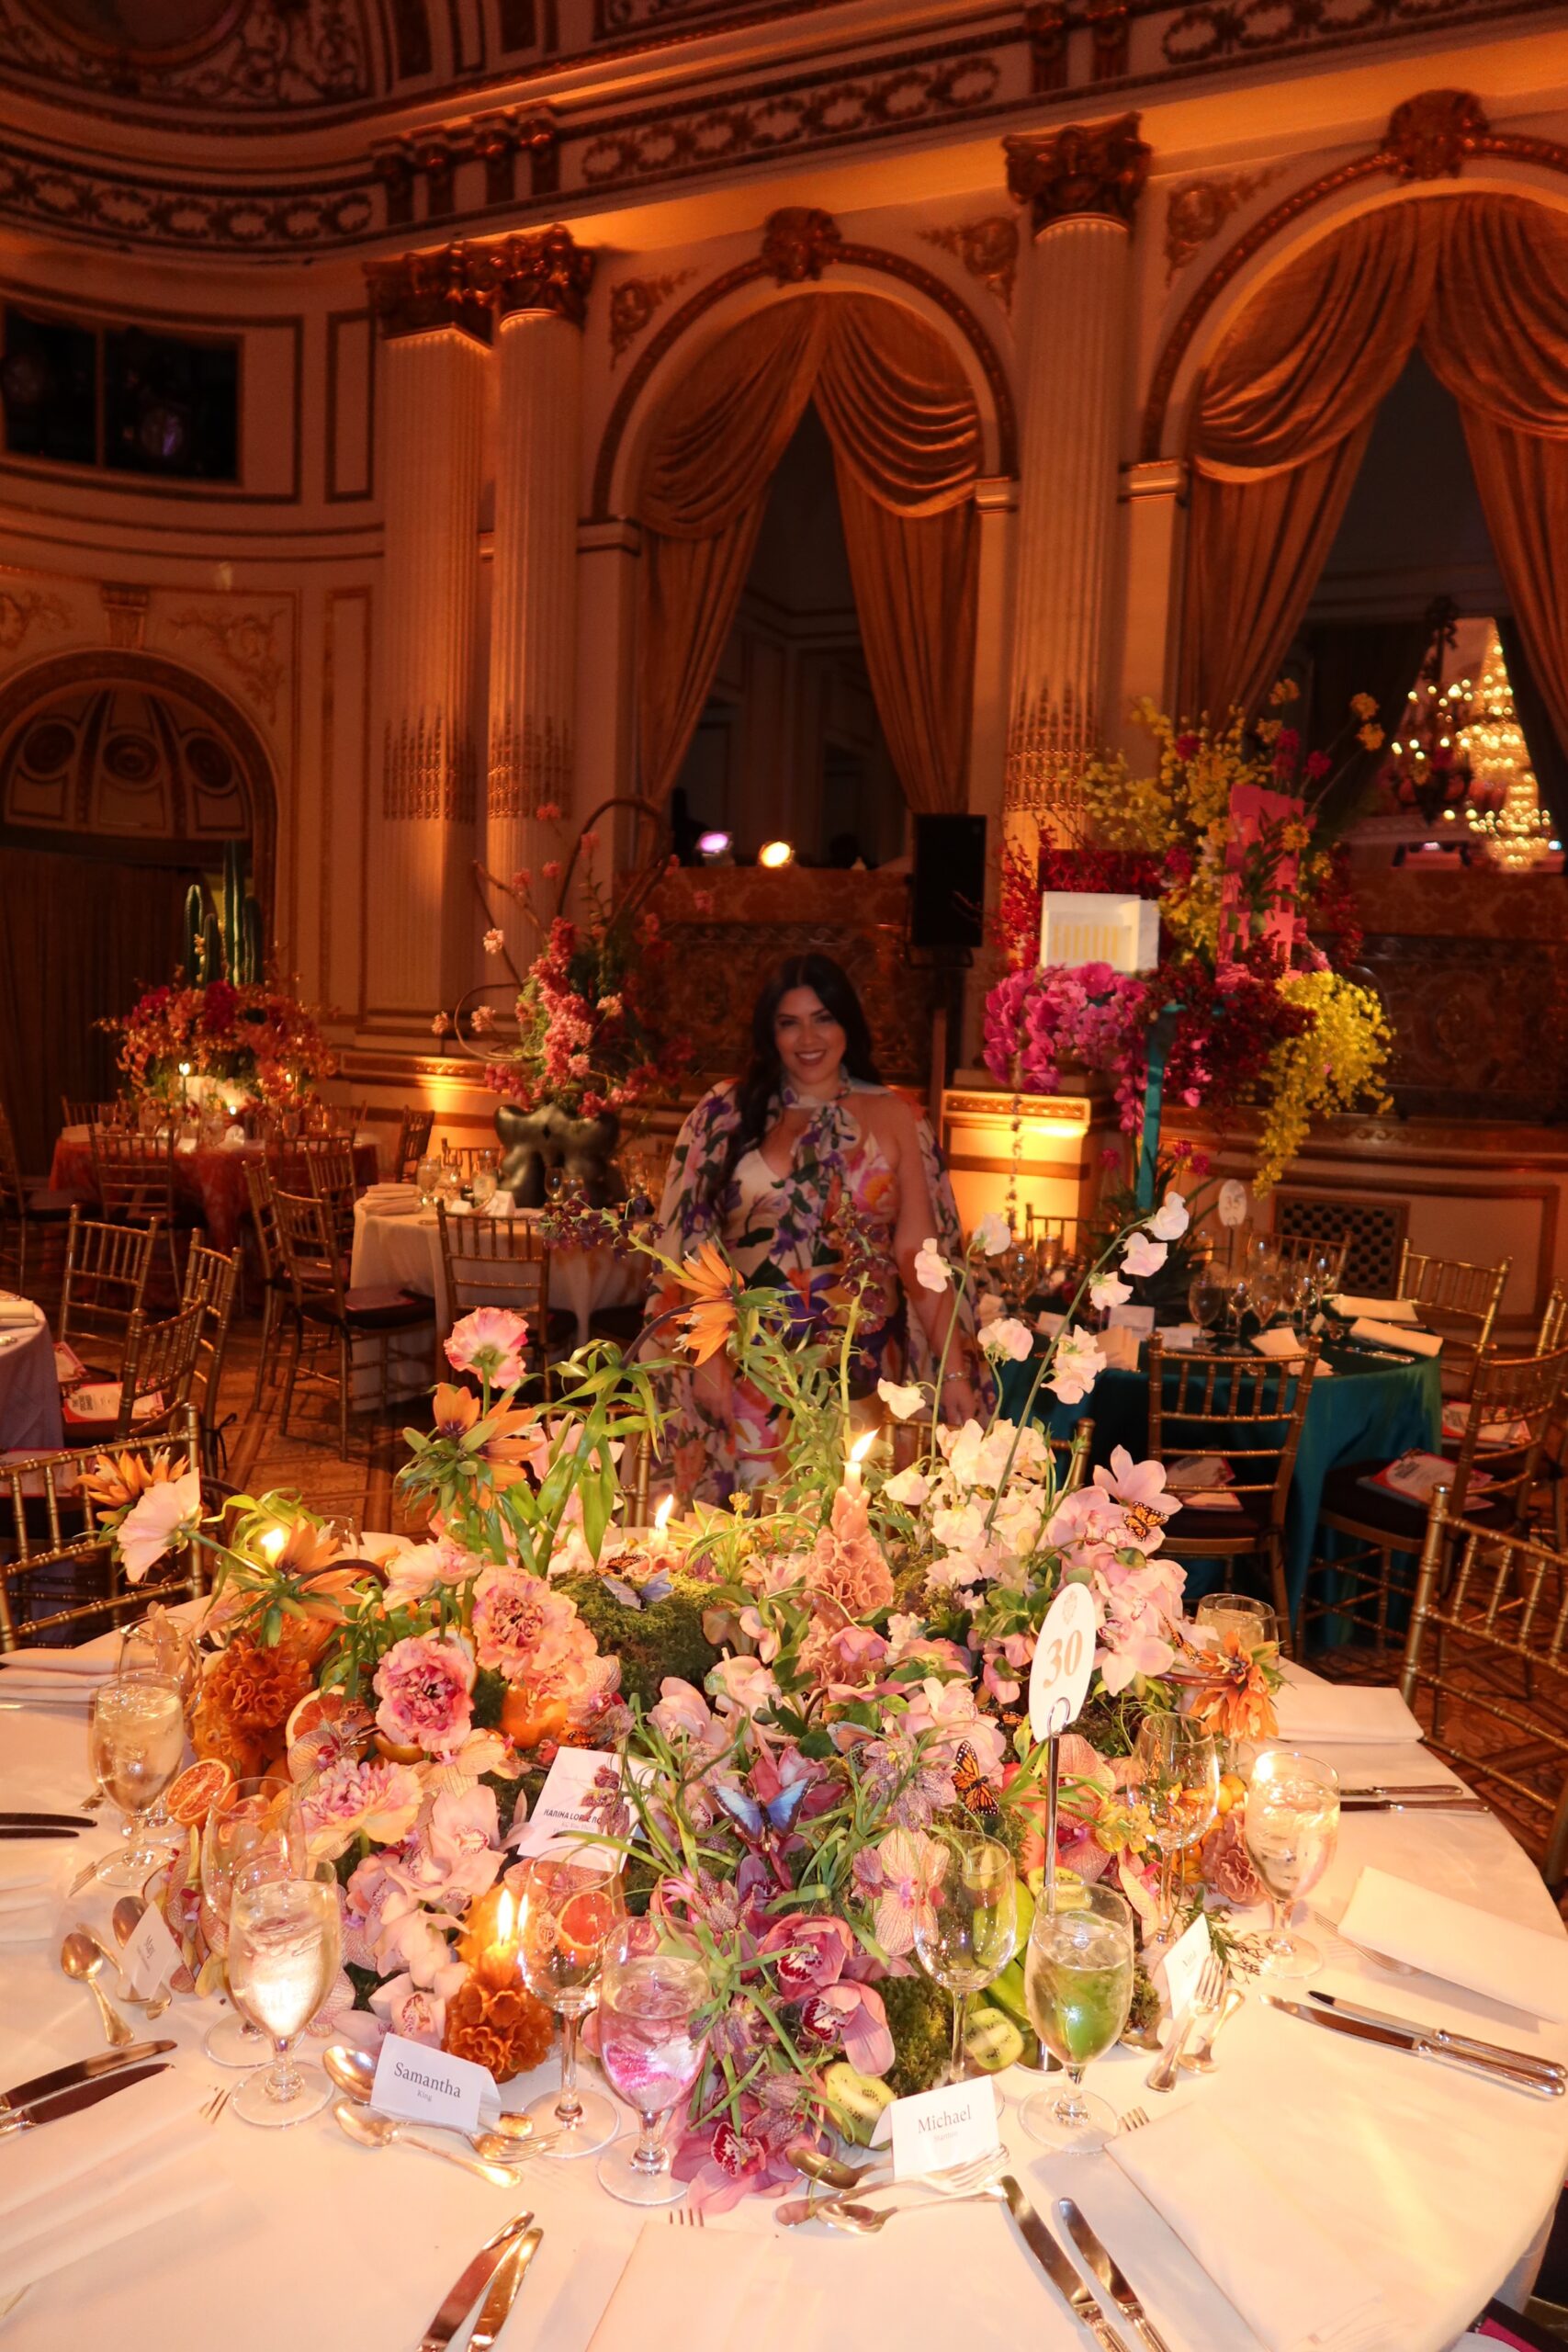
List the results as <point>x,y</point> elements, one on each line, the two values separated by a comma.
<point>775,853</point>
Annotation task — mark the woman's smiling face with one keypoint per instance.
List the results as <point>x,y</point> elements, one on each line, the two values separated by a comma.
<point>810,1041</point>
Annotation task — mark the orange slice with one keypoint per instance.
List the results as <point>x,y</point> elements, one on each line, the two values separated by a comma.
<point>585,1923</point>
<point>197,1791</point>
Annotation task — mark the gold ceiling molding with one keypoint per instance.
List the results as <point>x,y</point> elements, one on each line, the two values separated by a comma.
<point>1428,138</point>
<point>473,282</point>
<point>125,604</point>
<point>1094,169</point>
<point>20,607</point>
<point>633,304</point>
<point>245,643</point>
<point>799,243</point>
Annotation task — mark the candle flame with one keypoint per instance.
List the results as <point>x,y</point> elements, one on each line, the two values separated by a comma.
<point>863,1446</point>
<point>273,1541</point>
<point>505,1916</point>
<point>661,1517</point>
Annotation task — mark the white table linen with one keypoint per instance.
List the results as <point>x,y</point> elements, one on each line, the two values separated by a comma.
<point>30,1420</point>
<point>1419,1927</point>
<point>403,1250</point>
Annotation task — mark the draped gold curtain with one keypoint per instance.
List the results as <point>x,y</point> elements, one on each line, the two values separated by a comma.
<point>1286,405</point>
<point>906,440</point>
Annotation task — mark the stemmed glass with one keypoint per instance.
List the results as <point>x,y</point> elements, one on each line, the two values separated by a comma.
<point>1179,1768</point>
<point>135,1741</point>
<point>482,1181</point>
<point>652,2037</point>
<point>1291,1826</point>
<point>424,1177</point>
<point>568,1909</point>
<point>1296,1293</point>
<point>1206,1296</point>
<point>159,1643</point>
<point>966,1925</point>
<point>1078,1988</point>
<point>1237,1612</point>
<point>284,1944</point>
<point>251,1825</point>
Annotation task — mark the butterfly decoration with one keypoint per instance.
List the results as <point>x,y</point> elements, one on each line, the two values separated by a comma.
<point>974,1792</point>
<point>1144,1520</point>
<point>758,1818</point>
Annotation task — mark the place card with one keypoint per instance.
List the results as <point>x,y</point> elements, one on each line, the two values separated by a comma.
<point>567,1809</point>
<point>1137,1319</point>
<point>935,2129</point>
<point>151,1955</point>
<point>422,2086</point>
<point>1184,1964</point>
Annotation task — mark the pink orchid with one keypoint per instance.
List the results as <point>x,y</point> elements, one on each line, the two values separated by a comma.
<point>743,1685</point>
<point>911,1866</point>
<point>416,2013</point>
<point>948,1709</point>
<point>491,1342</point>
<point>682,1710</point>
<point>425,1687</point>
<point>1139,1488</point>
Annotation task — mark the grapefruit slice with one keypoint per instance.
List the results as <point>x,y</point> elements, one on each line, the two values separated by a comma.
<point>585,1923</point>
<point>198,1790</point>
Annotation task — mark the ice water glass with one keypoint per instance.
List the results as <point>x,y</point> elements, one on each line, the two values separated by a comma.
<point>966,1925</point>
<point>137,1742</point>
<point>1206,1296</point>
<point>653,1999</point>
<point>1178,1764</point>
<point>425,1174</point>
<point>482,1181</point>
<point>253,1824</point>
<point>568,1909</point>
<point>284,1944</point>
<point>1292,1828</point>
<point>1078,1988</point>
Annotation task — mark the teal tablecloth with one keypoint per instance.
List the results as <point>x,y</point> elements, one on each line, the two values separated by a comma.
<point>1366,1411</point>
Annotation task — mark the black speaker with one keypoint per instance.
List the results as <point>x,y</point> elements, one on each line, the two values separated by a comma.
<point>947,905</point>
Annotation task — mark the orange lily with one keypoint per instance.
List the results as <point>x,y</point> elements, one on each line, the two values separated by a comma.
<point>117,1478</point>
<point>714,1284</point>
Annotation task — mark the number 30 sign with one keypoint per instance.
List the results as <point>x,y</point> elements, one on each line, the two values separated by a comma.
<point>1064,1660</point>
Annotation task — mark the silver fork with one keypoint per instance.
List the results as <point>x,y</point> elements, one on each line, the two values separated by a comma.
<point>1206,1999</point>
<point>212,2108</point>
<point>687,2217</point>
<point>1201,2059</point>
<point>963,2183</point>
<point>1134,2120</point>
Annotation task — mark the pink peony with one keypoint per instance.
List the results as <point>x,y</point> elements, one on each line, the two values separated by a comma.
<point>523,1627</point>
<point>380,1798</point>
<point>425,1688</point>
<point>490,1343</point>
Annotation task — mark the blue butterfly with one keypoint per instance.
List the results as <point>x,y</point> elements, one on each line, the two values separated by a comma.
<point>757,1820</point>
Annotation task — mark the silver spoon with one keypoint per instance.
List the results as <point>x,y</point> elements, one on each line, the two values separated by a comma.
<point>381,2131</point>
<point>81,1958</point>
<point>353,2071</point>
<point>126,1917</point>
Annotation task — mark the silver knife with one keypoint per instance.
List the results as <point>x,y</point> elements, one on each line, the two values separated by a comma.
<point>1458,1801</point>
<point>80,2070</point>
<point>49,1820</point>
<point>466,2290</point>
<point>496,2309</point>
<point>1444,2036</point>
<point>1422,2046</point>
<point>10,1830</point>
<point>1109,2272</point>
<point>63,2103</point>
<point>1055,2265</point>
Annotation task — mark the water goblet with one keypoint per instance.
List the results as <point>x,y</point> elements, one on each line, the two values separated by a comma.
<point>252,1824</point>
<point>1179,1769</point>
<point>137,1742</point>
<point>482,1181</point>
<point>1237,1612</point>
<point>1290,1826</point>
<point>1078,1988</point>
<point>569,1906</point>
<point>652,2040</point>
<point>1206,1296</point>
<point>966,1925</point>
<point>284,1944</point>
<point>425,1174</point>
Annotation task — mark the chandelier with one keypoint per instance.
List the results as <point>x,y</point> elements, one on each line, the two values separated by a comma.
<point>1515,831</point>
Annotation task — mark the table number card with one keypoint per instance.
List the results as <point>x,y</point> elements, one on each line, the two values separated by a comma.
<point>1184,1964</point>
<point>1064,1661</point>
<point>422,2086</point>
<point>151,1955</point>
<point>935,2129</point>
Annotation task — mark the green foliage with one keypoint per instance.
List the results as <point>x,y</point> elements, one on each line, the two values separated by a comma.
<point>919,2018</point>
<point>665,1637</point>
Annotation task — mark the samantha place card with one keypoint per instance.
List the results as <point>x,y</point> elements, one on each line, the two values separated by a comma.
<point>935,2129</point>
<point>420,2085</point>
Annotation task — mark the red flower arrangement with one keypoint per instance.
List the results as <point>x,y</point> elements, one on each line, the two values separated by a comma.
<point>264,1041</point>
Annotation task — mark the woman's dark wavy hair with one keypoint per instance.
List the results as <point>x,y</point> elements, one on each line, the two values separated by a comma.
<point>761,1083</point>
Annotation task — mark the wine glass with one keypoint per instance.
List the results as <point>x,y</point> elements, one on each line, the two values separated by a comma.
<point>285,1943</point>
<point>568,1909</point>
<point>1078,1988</point>
<point>254,1822</point>
<point>1291,1826</point>
<point>1295,1292</point>
<point>966,1925</point>
<point>1206,1296</point>
<point>424,1177</point>
<point>482,1181</point>
<point>1179,1768</point>
<point>652,2038</point>
<point>448,1185</point>
<point>137,1741</point>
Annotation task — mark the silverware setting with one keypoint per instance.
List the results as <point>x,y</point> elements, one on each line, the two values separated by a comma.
<point>1517,2073</point>
<point>71,2102</point>
<point>1054,2264</point>
<point>1443,2037</point>
<point>962,2184</point>
<point>80,2070</point>
<point>1200,2058</point>
<point>687,2217</point>
<point>1207,2000</point>
<point>12,1835</point>
<point>472,2282</point>
<point>211,2108</point>
<point>497,2305</point>
<point>82,1958</point>
<point>1457,1803</point>
<point>46,1821</point>
<point>508,2141</point>
<point>370,2131</point>
<point>1107,2274</point>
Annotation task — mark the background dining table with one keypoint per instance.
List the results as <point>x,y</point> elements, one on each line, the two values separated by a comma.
<point>30,1419</point>
<point>403,1250</point>
<point>1438,2184</point>
<point>210,1176</point>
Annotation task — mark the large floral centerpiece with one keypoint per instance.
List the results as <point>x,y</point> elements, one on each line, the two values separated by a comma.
<point>808,1701</point>
<point>258,1043</point>
<point>1251,1001</point>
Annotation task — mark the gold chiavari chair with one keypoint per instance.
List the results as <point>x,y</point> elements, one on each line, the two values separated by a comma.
<point>134,1179</point>
<point>1494,1465</point>
<point>58,1572</point>
<point>25,1208</point>
<point>501,1261</point>
<point>277,1294</point>
<point>413,1138</point>
<point>1554,1329</point>
<point>329,1170</point>
<point>1293,1248</point>
<point>154,1384</point>
<point>1076,1469</point>
<point>328,1315</point>
<point>104,1283</point>
<point>1488,1655</point>
<point>76,1113</point>
<point>1251,1410</point>
<point>1458,1299</point>
<point>211,1282</point>
<point>467,1155</point>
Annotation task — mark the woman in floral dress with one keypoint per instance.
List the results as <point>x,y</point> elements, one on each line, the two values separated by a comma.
<point>807,1170</point>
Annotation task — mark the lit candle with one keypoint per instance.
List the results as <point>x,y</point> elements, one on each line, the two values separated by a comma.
<point>857,1455</point>
<point>659,1545</point>
<point>498,1965</point>
<point>273,1540</point>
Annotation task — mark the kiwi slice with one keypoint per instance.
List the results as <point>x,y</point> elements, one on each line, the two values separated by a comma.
<point>991,2040</point>
<point>857,2101</point>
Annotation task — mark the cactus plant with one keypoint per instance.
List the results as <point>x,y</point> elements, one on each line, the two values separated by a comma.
<point>232,948</point>
<point>193,933</point>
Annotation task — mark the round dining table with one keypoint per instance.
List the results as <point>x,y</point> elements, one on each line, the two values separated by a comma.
<point>30,1420</point>
<point>210,1176</point>
<point>1438,2184</point>
<point>403,1250</point>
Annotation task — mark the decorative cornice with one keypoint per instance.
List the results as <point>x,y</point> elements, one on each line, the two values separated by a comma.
<point>416,293</point>
<point>633,302</point>
<point>799,243</point>
<point>1084,168</point>
<point>546,269</point>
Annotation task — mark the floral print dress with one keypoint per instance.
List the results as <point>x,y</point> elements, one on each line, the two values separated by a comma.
<point>834,1210</point>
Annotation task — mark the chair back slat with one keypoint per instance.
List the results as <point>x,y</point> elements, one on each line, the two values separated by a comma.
<point>1250,1408</point>
<point>45,1577</point>
<point>211,1281</point>
<point>1517,1395</point>
<point>413,1137</point>
<point>308,1247</point>
<point>494,1261</point>
<point>1554,1329</point>
<point>105,1281</point>
<point>134,1175</point>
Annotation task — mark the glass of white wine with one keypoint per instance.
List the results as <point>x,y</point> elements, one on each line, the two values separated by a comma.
<point>252,1822</point>
<point>1178,1764</point>
<point>1078,1988</point>
<point>137,1741</point>
<point>1292,1828</point>
<point>966,1925</point>
<point>284,1944</point>
<point>567,1911</point>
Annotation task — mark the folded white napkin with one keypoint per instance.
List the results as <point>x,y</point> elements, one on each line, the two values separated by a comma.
<point>1282,1342</point>
<point>705,2291</point>
<point>50,1690</point>
<point>1349,1303</point>
<point>85,2182</point>
<point>1258,2239</point>
<point>1522,1967</point>
<point>1397,1335</point>
<point>19,1314</point>
<point>1308,1712</point>
<point>1182,1335</point>
<point>501,1204</point>
<point>1120,1348</point>
<point>92,1669</point>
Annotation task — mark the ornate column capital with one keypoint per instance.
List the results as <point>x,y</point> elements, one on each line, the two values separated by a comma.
<point>414,293</point>
<point>544,269</point>
<point>1094,168</point>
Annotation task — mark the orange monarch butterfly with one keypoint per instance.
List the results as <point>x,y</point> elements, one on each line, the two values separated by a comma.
<point>974,1790</point>
<point>1142,1518</point>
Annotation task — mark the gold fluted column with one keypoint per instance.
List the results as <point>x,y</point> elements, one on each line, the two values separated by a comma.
<point>1081,183</point>
<point>421,916</point>
<point>541,285</point>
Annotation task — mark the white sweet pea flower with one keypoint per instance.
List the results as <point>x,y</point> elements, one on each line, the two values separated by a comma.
<point>1109,1290</point>
<point>1170,1220</point>
<point>910,1487</point>
<point>902,1399</point>
<point>1007,1338</point>
<point>1076,1365</point>
<point>932,1269</point>
<point>992,1234</point>
<point>1143,1255</point>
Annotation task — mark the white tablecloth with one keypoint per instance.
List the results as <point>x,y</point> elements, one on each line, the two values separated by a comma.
<point>407,1250</point>
<point>1439,2185</point>
<point>29,1392</point>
